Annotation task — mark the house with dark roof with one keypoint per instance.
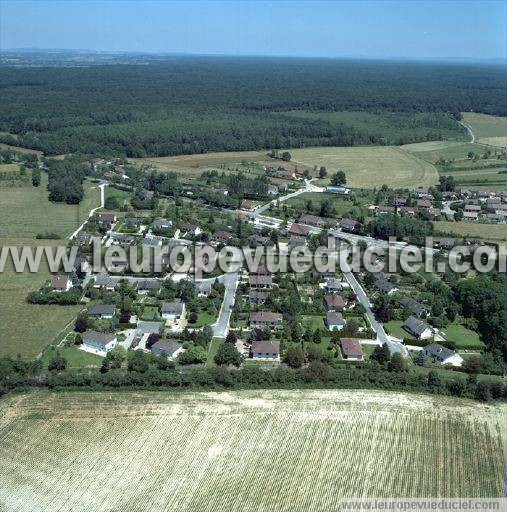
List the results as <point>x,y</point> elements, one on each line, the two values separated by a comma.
<point>333,286</point>
<point>311,220</point>
<point>101,311</point>
<point>334,321</point>
<point>349,224</point>
<point>258,296</point>
<point>174,310</point>
<point>297,241</point>
<point>385,287</point>
<point>84,238</point>
<point>417,328</point>
<point>148,285</point>
<point>416,308</point>
<point>263,349</point>
<point>98,342</point>
<point>263,319</point>
<point>442,355</point>
<point>105,282</point>
<point>160,224</point>
<point>121,239</point>
<point>222,236</point>
<point>190,228</point>
<point>351,349</point>
<point>247,205</point>
<point>170,348</point>
<point>106,220</point>
<point>261,282</point>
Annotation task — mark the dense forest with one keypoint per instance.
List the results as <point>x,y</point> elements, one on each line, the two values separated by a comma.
<point>195,104</point>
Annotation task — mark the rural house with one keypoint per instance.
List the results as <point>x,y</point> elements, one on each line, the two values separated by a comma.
<point>262,349</point>
<point>263,319</point>
<point>98,342</point>
<point>417,328</point>
<point>101,311</point>
<point>60,284</point>
<point>351,349</point>
<point>174,310</point>
<point>334,321</point>
<point>170,348</point>
<point>442,354</point>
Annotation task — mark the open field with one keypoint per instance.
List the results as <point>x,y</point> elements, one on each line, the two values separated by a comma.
<point>202,161</point>
<point>27,328</point>
<point>449,150</point>
<point>476,230</point>
<point>487,129</point>
<point>370,166</point>
<point>26,211</point>
<point>205,451</point>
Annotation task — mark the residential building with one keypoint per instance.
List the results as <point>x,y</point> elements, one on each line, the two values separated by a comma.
<point>351,349</point>
<point>349,224</point>
<point>299,230</point>
<point>264,349</point>
<point>161,223</point>
<point>98,342</point>
<point>263,319</point>
<point>334,321</point>
<point>60,284</point>
<point>101,311</point>
<point>191,229</point>
<point>334,302</point>
<point>174,310</point>
<point>261,282</point>
<point>417,328</point>
<point>442,354</point>
<point>170,348</point>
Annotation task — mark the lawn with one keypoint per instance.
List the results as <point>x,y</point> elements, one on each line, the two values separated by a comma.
<point>394,328</point>
<point>370,166</point>
<point>449,150</point>
<point>314,322</point>
<point>487,129</point>
<point>340,204</point>
<point>203,318</point>
<point>150,313</point>
<point>463,337</point>
<point>26,211</point>
<point>75,357</point>
<point>177,451</point>
<point>122,195</point>
<point>474,230</point>
<point>27,328</point>
<point>212,350</point>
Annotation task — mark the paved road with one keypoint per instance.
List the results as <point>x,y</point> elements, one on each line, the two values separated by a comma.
<point>309,187</point>
<point>73,235</point>
<point>221,326</point>
<point>446,207</point>
<point>394,346</point>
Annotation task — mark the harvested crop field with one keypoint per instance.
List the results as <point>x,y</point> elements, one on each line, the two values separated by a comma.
<point>370,166</point>
<point>242,451</point>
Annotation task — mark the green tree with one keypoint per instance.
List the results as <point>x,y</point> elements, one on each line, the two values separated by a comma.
<point>322,172</point>
<point>286,156</point>
<point>294,357</point>
<point>338,178</point>
<point>227,355</point>
<point>57,363</point>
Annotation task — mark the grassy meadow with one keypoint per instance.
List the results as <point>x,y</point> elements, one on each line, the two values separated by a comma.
<point>491,130</point>
<point>370,166</point>
<point>27,328</point>
<point>473,230</point>
<point>203,451</point>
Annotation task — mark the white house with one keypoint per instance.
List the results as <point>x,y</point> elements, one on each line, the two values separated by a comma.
<point>442,354</point>
<point>98,342</point>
